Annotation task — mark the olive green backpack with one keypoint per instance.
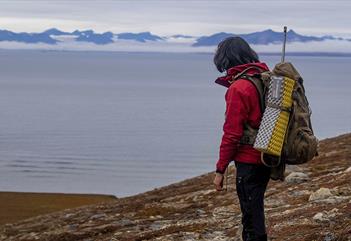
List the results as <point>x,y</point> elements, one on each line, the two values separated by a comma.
<point>300,145</point>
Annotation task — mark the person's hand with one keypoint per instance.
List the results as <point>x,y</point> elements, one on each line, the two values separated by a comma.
<point>218,181</point>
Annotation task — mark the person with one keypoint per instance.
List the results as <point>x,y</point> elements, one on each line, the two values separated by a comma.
<point>236,57</point>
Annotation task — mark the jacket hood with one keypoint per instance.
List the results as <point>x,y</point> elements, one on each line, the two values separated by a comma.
<point>227,79</point>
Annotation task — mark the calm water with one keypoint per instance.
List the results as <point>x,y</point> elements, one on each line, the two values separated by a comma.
<point>123,123</point>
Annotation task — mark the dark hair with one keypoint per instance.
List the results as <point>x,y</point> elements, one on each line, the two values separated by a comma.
<point>233,51</point>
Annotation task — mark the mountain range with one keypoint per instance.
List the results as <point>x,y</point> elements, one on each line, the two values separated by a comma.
<point>50,36</point>
<point>264,37</point>
<point>54,36</point>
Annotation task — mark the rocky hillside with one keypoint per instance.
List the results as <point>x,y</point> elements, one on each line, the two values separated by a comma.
<point>314,203</point>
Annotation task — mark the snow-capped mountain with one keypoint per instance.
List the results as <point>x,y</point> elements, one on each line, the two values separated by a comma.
<point>145,41</point>
<point>264,38</point>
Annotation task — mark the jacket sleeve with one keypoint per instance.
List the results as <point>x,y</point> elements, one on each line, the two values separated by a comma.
<point>235,116</point>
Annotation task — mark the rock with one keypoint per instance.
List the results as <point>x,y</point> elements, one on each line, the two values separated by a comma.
<point>288,211</point>
<point>68,215</point>
<point>274,202</point>
<point>201,212</point>
<point>348,169</point>
<point>320,194</point>
<point>329,237</point>
<point>331,153</point>
<point>332,213</point>
<point>125,222</point>
<point>326,215</point>
<point>294,168</point>
<point>98,216</point>
<point>319,217</point>
<point>300,193</point>
<point>333,200</point>
<point>157,225</point>
<point>73,227</point>
<point>297,177</point>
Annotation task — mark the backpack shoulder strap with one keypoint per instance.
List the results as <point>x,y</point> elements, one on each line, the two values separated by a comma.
<point>260,81</point>
<point>249,134</point>
<point>260,88</point>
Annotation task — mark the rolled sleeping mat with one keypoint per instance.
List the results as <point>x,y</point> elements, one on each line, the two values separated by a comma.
<point>275,120</point>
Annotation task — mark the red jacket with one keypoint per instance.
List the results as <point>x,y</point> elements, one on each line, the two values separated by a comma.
<point>242,105</point>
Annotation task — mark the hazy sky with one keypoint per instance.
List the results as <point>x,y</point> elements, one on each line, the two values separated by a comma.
<point>166,17</point>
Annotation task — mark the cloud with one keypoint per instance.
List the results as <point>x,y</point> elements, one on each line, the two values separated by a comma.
<point>69,44</point>
<point>327,46</point>
<point>185,17</point>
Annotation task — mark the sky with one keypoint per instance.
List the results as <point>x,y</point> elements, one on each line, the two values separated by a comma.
<point>167,17</point>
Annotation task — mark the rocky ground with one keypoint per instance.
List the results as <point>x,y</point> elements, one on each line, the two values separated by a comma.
<point>314,203</point>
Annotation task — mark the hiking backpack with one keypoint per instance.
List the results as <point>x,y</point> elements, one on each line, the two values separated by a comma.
<point>285,135</point>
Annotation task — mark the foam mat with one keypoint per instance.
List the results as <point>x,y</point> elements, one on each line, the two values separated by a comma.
<point>272,130</point>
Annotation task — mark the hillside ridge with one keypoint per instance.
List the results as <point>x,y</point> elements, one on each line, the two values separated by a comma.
<point>314,203</point>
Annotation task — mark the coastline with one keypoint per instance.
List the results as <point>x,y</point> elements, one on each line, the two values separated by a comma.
<point>17,206</point>
<point>192,210</point>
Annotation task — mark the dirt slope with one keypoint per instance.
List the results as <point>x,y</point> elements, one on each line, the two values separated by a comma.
<point>297,209</point>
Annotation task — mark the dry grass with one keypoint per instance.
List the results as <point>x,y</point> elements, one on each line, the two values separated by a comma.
<point>15,206</point>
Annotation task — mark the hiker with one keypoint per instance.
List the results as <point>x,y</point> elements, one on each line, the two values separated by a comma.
<point>233,56</point>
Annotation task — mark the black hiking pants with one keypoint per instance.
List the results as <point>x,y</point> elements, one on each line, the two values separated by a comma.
<point>251,183</point>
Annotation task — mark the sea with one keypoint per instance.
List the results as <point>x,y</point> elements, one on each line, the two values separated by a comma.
<point>123,123</point>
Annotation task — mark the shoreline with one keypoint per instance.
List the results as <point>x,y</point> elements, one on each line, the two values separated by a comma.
<point>313,205</point>
<point>17,206</point>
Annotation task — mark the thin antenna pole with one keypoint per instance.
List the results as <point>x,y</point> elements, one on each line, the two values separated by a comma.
<point>284,43</point>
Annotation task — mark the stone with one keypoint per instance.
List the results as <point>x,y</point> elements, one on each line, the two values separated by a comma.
<point>319,217</point>
<point>300,193</point>
<point>348,169</point>
<point>329,237</point>
<point>288,211</point>
<point>297,177</point>
<point>73,227</point>
<point>294,168</point>
<point>98,216</point>
<point>320,194</point>
<point>68,215</point>
<point>333,200</point>
<point>332,213</point>
<point>201,213</point>
<point>125,222</point>
<point>326,215</point>
<point>331,153</point>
